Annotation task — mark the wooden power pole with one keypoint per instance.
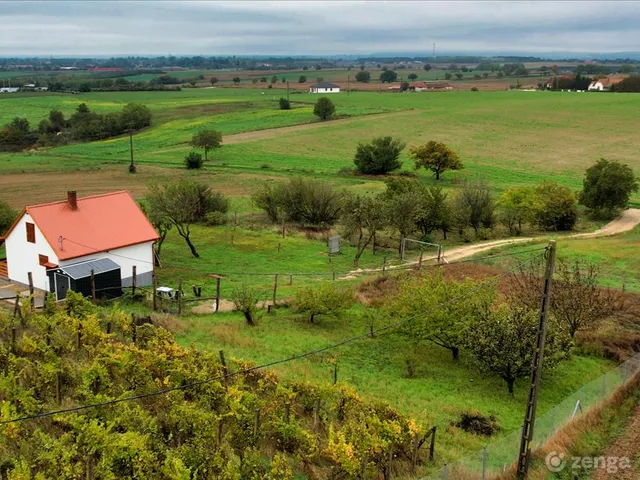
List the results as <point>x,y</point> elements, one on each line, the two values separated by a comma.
<point>536,367</point>
<point>132,167</point>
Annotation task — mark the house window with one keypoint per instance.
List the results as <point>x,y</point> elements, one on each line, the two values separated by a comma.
<point>31,233</point>
<point>43,259</point>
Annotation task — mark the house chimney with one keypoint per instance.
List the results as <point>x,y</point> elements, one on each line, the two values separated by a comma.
<point>72,199</point>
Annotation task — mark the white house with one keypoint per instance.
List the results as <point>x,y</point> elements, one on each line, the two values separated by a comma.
<point>61,243</point>
<point>324,87</point>
<point>597,85</point>
<point>9,89</point>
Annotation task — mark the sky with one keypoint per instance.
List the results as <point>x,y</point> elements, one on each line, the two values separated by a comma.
<point>332,27</point>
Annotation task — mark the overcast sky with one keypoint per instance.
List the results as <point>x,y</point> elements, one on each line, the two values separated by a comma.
<point>307,27</point>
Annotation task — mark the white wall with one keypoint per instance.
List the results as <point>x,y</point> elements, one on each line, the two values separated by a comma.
<point>22,256</point>
<point>140,255</point>
<point>325,90</point>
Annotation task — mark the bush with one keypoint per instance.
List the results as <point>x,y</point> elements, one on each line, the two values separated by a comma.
<point>363,77</point>
<point>7,216</point>
<point>285,104</point>
<point>378,157</point>
<point>302,79</point>
<point>193,160</point>
<point>474,89</point>
<point>475,422</point>
<point>555,207</point>
<point>607,187</point>
<point>324,108</point>
<point>245,300</point>
<point>323,299</point>
<point>214,219</point>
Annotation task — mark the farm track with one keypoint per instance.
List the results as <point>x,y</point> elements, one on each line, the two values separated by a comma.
<point>625,222</point>
<point>270,133</point>
<point>627,445</point>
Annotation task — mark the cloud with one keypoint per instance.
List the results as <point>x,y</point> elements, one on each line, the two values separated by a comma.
<point>310,27</point>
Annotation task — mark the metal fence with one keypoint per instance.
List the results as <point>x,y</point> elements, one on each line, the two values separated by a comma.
<point>497,456</point>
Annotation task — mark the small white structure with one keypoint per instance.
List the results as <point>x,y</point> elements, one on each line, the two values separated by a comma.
<point>9,89</point>
<point>324,87</point>
<point>48,239</point>
<point>597,86</point>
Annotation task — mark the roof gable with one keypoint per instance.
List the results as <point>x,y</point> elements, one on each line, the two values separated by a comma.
<point>100,223</point>
<point>325,85</point>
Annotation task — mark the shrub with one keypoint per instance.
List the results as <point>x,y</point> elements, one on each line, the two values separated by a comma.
<point>285,104</point>
<point>607,187</point>
<point>214,219</point>
<point>193,160</point>
<point>323,299</point>
<point>324,108</point>
<point>555,207</point>
<point>245,300</point>
<point>302,79</point>
<point>474,89</point>
<point>7,216</point>
<point>378,157</point>
<point>475,422</point>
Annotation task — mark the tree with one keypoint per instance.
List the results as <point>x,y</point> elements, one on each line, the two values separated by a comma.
<point>627,68</point>
<point>427,67</point>
<point>302,79</point>
<point>475,205</point>
<point>263,79</point>
<point>193,160</point>
<point>485,75</point>
<point>607,187</point>
<point>160,222</point>
<point>136,116</point>
<point>324,108</point>
<point>403,211</point>
<point>448,320</point>
<point>577,300</point>
<point>555,207</point>
<point>503,341</point>
<point>284,104</point>
<point>207,140</point>
<point>516,207</point>
<point>274,79</point>
<point>436,212</point>
<point>245,299</point>
<point>388,76</point>
<point>363,76</point>
<point>7,216</point>
<point>236,80</point>
<point>435,156</point>
<point>412,77</point>
<point>378,157</point>
<point>447,76</point>
<point>363,217</point>
<point>213,80</point>
<point>269,197</point>
<point>324,299</point>
<point>184,203</point>
<point>459,76</point>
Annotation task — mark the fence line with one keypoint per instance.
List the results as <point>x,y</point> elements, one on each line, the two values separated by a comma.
<point>502,453</point>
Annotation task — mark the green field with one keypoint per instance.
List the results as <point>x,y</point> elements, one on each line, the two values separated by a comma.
<point>506,138</point>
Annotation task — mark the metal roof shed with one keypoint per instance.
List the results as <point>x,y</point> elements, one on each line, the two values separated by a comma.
<point>77,277</point>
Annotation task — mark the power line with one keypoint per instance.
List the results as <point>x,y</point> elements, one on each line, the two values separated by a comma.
<point>299,356</point>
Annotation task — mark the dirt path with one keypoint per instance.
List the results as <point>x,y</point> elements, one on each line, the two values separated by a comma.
<point>625,222</point>
<point>275,132</point>
<point>627,445</point>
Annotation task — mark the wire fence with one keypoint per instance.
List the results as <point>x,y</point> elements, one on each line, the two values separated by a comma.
<point>496,457</point>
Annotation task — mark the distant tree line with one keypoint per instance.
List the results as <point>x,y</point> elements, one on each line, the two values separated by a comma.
<point>83,126</point>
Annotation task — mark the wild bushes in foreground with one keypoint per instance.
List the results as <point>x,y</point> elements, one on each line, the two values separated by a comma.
<point>211,430</point>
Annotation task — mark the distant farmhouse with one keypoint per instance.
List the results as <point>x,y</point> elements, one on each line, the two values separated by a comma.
<point>324,87</point>
<point>61,245</point>
<point>422,86</point>
<point>602,84</point>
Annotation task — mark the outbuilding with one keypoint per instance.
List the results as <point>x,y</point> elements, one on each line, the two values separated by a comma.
<point>324,87</point>
<point>106,275</point>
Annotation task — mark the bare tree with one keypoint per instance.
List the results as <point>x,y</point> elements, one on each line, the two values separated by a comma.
<point>362,216</point>
<point>577,300</point>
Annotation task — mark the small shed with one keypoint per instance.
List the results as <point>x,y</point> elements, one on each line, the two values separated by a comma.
<point>77,277</point>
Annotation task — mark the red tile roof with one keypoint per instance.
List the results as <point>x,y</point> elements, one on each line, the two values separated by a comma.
<point>100,223</point>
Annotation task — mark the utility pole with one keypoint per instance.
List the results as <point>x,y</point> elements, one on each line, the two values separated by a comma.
<point>348,85</point>
<point>132,167</point>
<point>287,90</point>
<point>536,367</point>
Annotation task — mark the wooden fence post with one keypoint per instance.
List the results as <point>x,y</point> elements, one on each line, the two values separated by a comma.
<point>58,388</point>
<point>275,288</point>
<point>79,337</point>
<point>225,369</point>
<point>420,261</point>
<point>109,327</point>
<point>179,297</point>
<point>316,413</point>
<point>220,431</point>
<point>414,452</point>
<point>389,460</point>
<point>90,466</point>
<point>256,423</point>
<point>334,275</point>
<point>31,299</point>
<point>287,412</point>
<point>217,293</point>
<point>365,460</point>
<point>432,446</point>
<point>290,279</point>
<point>134,280</point>
<point>13,340</point>
<point>154,282</point>
<point>134,328</point>
<point>92,281</point>
<point>335,373</point>
<point>16,306</point>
